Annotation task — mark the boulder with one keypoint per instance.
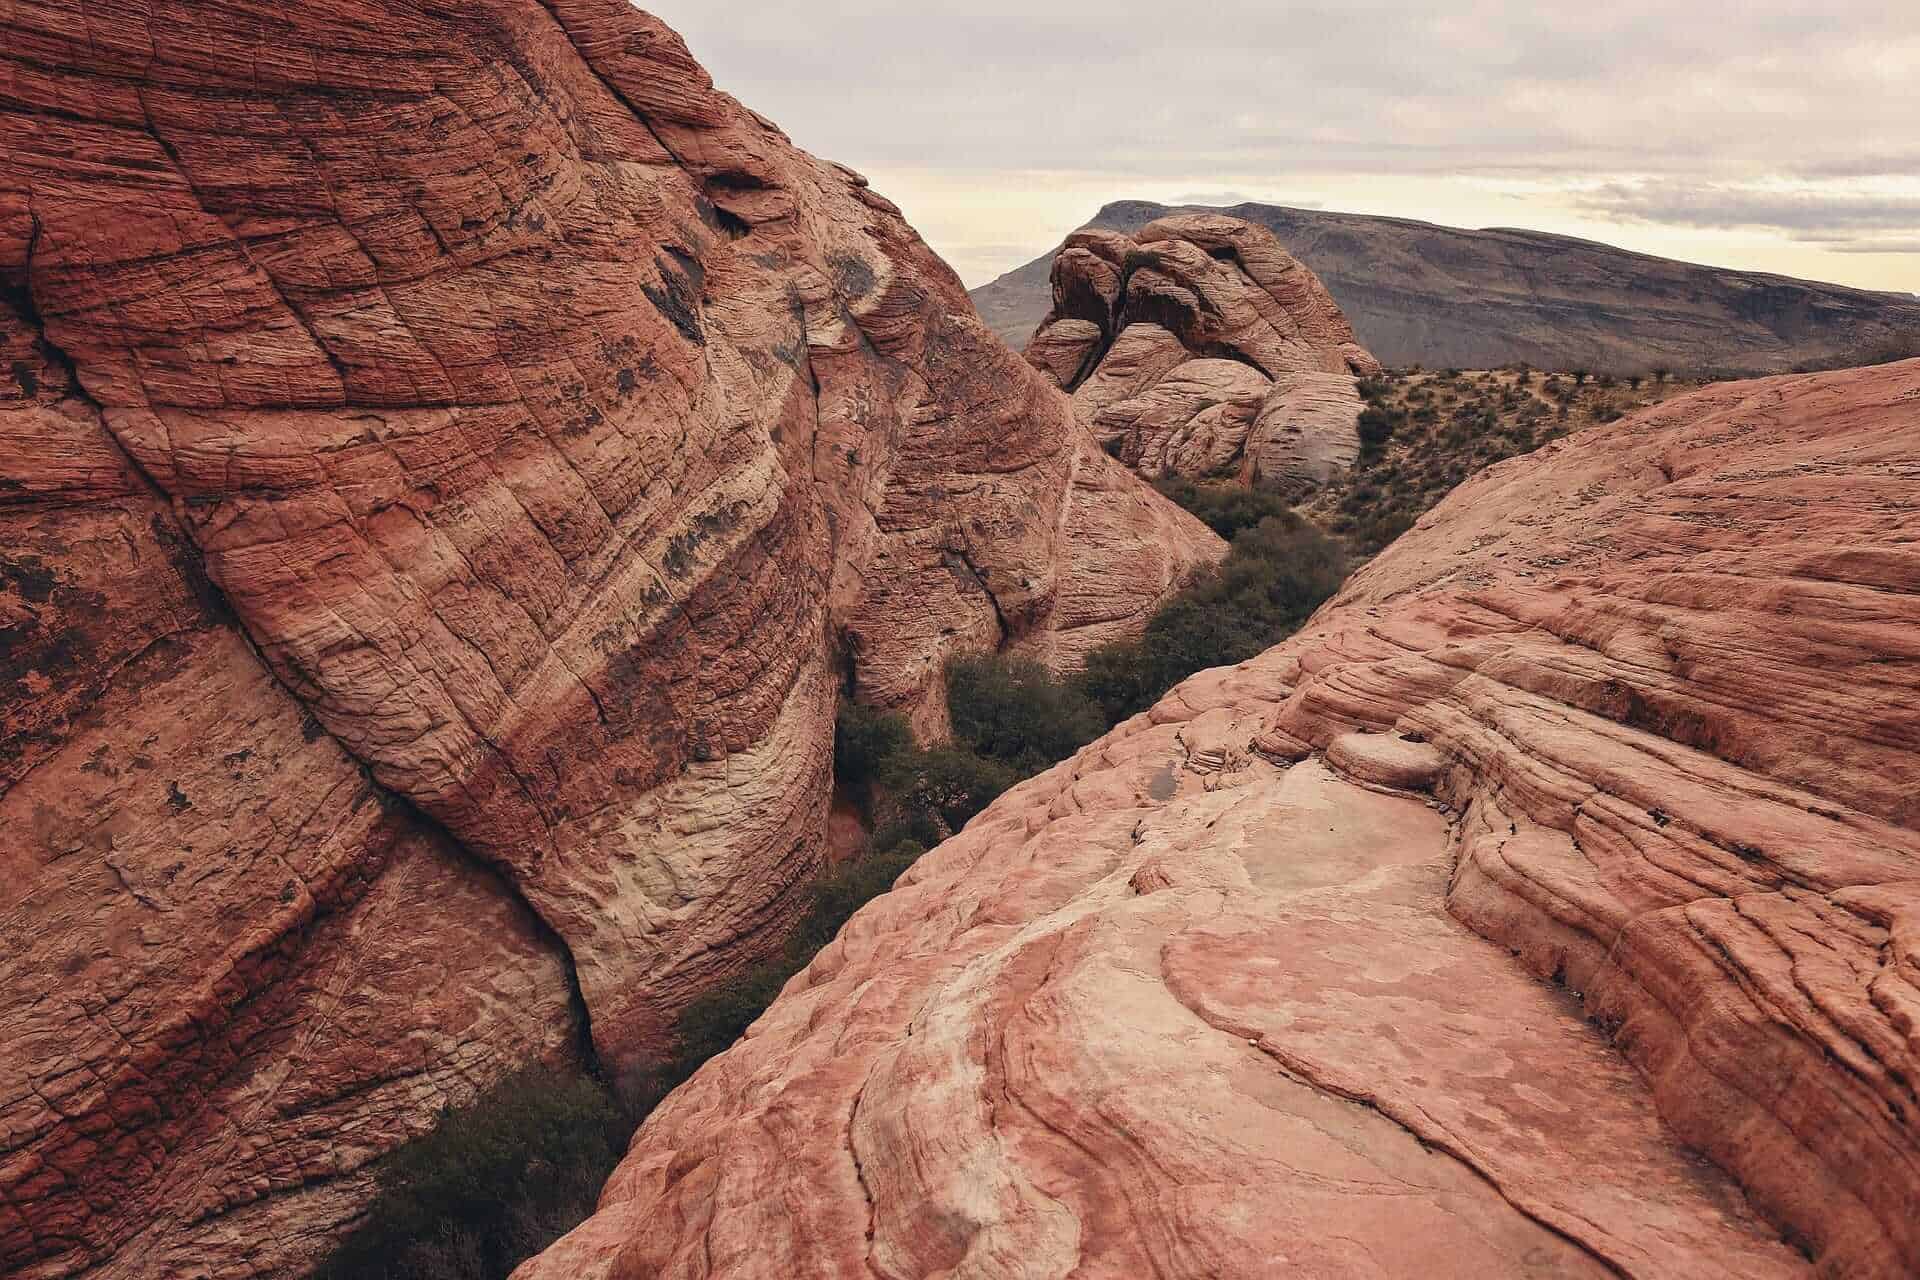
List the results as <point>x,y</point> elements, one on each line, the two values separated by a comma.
<point>1198,347</point>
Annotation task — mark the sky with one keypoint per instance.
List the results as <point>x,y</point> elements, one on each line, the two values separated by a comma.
<point>1772,135</point>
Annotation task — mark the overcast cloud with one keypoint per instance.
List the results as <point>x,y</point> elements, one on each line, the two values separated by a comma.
<point>1768,129</point>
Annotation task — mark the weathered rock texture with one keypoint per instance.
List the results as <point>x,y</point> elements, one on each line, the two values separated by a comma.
<point>450,460</point>
<point>1448,297</point>
<point>1200,348</point>
<point>1642,710</point>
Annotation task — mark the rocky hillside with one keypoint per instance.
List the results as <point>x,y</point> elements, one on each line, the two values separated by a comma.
<point>1428,431</point>
<point>451,459</point>
<point>1445,297</point>
<point>1577,836</point>
<point>1199,348</point>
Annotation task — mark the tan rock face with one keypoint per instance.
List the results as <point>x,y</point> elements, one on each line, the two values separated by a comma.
<point>1259,983</point>
<point>450,461</point>
<point>1199,347</point>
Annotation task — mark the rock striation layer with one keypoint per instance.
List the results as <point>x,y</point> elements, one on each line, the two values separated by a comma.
<point>1544,908</point>
<point>1449,297</point>
<point>451,460</point>
<point>1199,347</point>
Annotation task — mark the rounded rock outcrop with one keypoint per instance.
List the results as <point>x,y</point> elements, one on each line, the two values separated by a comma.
<point>1199,347</point>
<point>452,458</point>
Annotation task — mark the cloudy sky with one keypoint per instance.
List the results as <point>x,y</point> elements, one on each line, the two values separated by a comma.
<point>1778,135</point>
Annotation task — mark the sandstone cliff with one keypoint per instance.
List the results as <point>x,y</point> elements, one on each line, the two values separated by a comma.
<point>1579,831</point>
<point>1444,296</point>
<point>451,458</point>
<point>1200,348</point>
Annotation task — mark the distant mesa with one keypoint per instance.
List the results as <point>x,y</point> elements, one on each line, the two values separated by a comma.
<point>1200,348</point>
<point>1445,297</point>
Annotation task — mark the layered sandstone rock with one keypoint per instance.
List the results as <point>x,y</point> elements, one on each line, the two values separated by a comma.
<point>451,459</point>
<point>1198,347</point>
<point>1577,836</point>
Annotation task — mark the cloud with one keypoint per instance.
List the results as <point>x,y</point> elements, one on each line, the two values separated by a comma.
<point>1877,246</point>
<point>1811,214</point>
<point>1716,89</point>
<point>1227,199</point>
<point>1355,102</point>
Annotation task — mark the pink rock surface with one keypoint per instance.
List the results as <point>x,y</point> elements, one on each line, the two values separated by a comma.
<point>1200,348</point>
<point>451,459</point>
<point>1179,1007</point>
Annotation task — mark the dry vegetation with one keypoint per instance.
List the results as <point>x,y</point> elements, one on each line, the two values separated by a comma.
<point>1425,431</point>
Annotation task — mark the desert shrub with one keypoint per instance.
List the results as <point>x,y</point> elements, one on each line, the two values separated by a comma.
<point>1275,574</point>
<point>717,1019</point>
<point>836,896</point>
<point>1885,351</point>
<point>948,783</point>
<point>1376,427</point>
<point>1225,508</point>
<point>916,826</point>
<point>1122,677</point>
<point>1014,711</point>
<point>1375,533</point>
<point>864,740</point>
<point>492,1185</point>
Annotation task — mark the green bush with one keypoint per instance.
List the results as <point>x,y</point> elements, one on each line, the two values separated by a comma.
<point>1124,677</point>
<point>1374,390</point>
<point>844,891</point>
<point>1376,427</point>
<point>1014,711</point>
<point>1225,508</point>
<point>1274,576</point>
<point>717,1019</point>
<point>491,1186</point>
<point>864,740</point>
<point>949,783</point>
<point>914,826</point>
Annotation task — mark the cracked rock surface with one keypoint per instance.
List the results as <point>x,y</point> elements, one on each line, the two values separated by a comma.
<point>1198,347</point>
<point>451,458</point>
<point>1545,907</point>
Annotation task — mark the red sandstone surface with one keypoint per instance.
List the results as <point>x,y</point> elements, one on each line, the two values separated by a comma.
<point>1546,907</point>
<point>451,458</point>
<point>1199,347</point>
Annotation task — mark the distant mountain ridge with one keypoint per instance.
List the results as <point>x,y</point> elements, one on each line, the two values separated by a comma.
<point>1419,293</point>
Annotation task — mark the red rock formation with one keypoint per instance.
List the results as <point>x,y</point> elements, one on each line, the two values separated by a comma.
<point>1200,348</point>
<point>450,459</point>
<point>1642,709</point>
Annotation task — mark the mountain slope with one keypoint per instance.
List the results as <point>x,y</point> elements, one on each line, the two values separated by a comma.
<point>1582,824</point>
<point>1443,297</point>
